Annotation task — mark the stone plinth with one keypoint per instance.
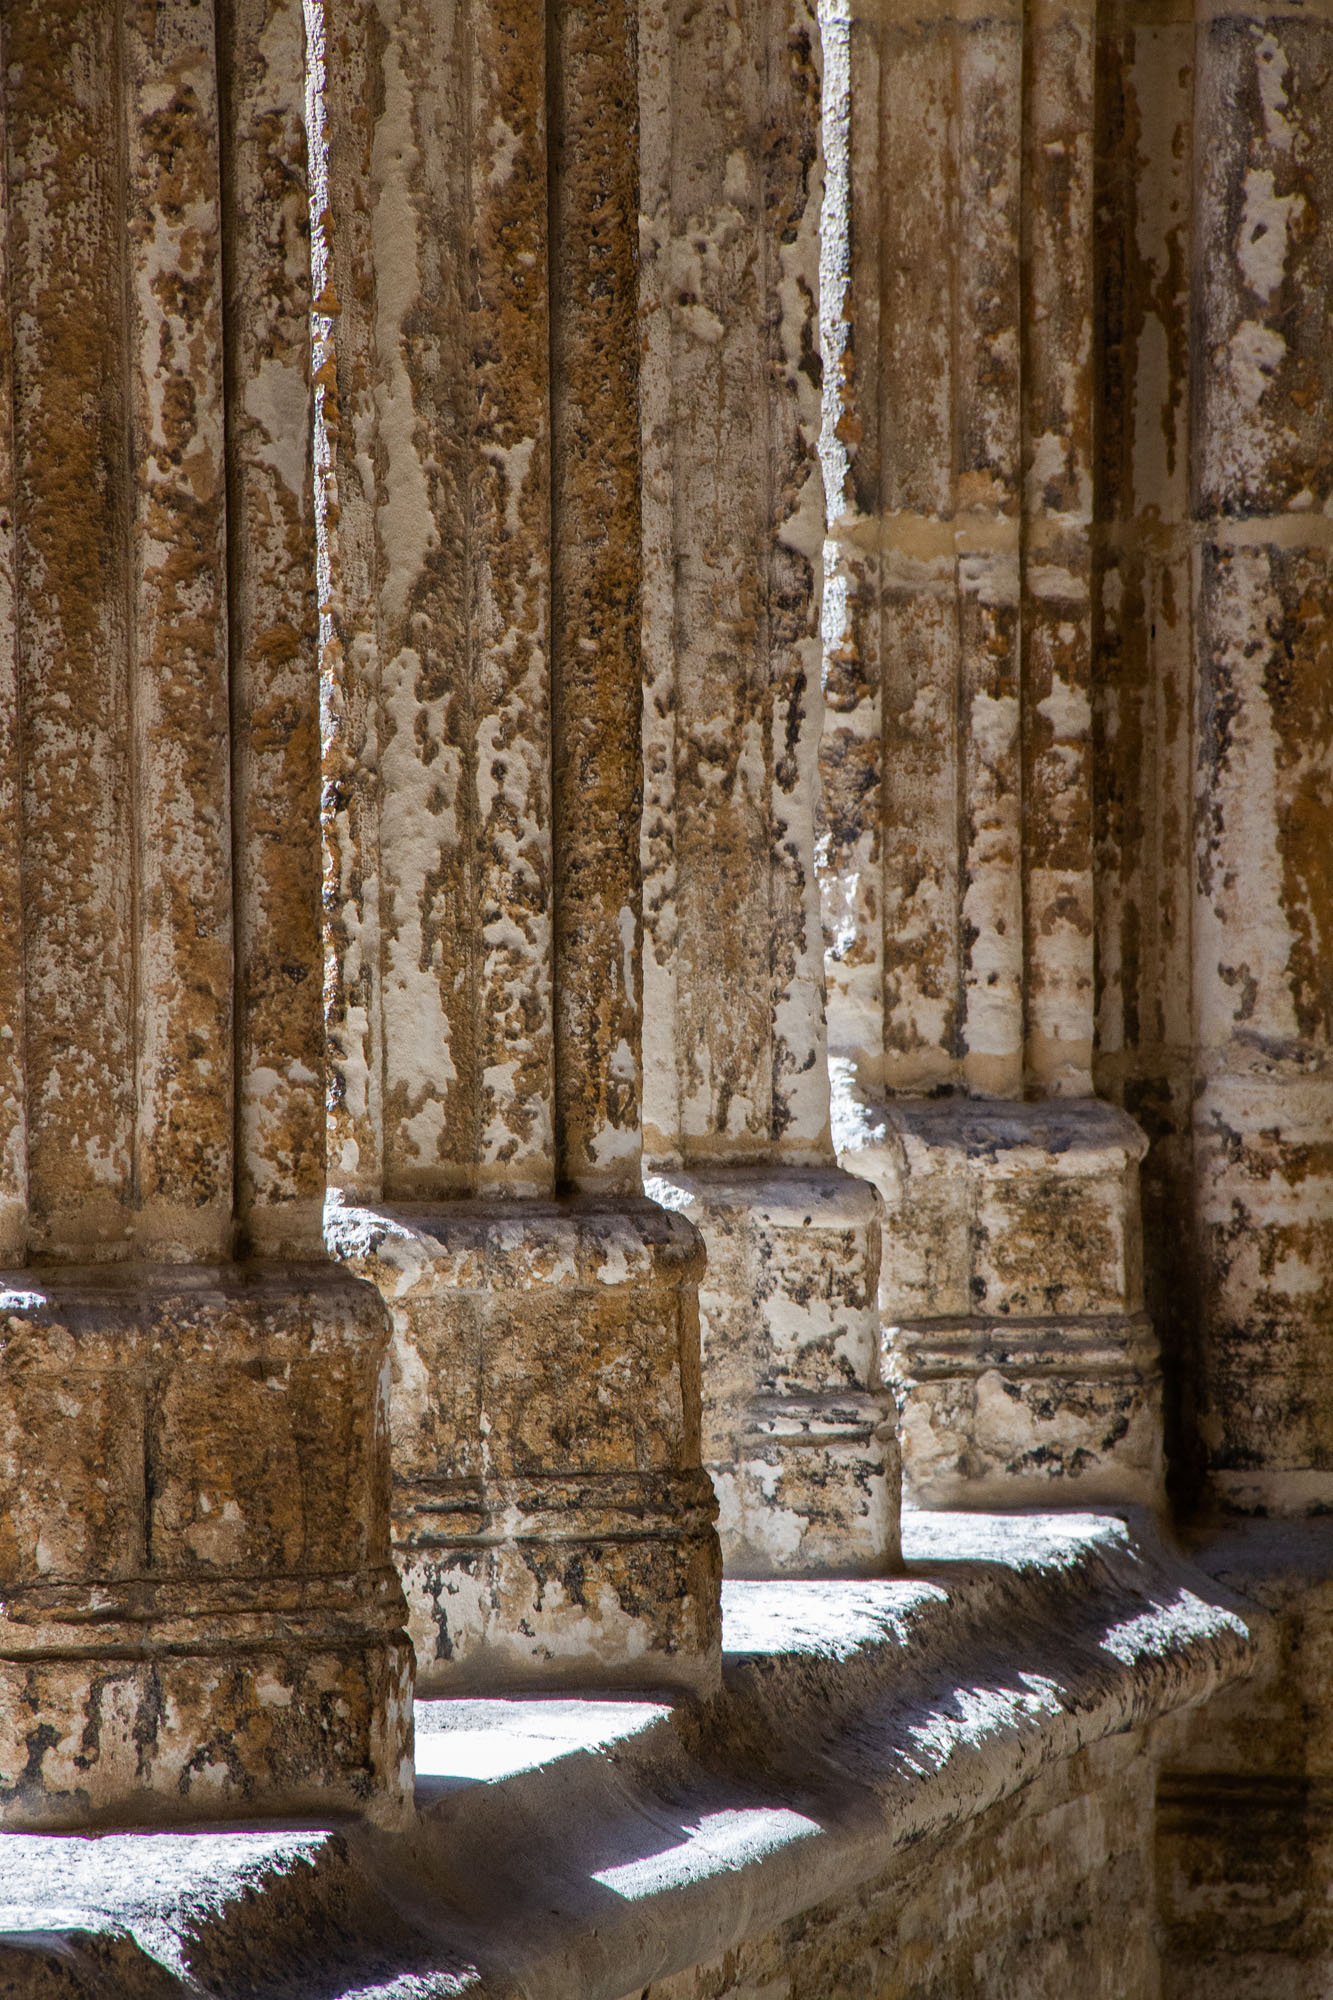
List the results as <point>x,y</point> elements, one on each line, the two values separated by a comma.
<point>551,1520</point>
<point>1011,1292</point>
<point>200,1616</point>
<point>799,1433</point>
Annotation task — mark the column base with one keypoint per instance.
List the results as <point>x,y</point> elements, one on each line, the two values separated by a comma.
<point>800,1435</point>
<point>199,1618</point>
<point>553,1525</point>
<point>1030,1414</point>
<point>1011,1293</point>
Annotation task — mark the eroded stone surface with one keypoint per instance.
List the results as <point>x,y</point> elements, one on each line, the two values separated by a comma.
<point>799,1432</point>
<point>1011,1296</point>
<point>200,1615</point>
<point>551,1520</point>
<point>897,1773</point>
<point>478,450</point>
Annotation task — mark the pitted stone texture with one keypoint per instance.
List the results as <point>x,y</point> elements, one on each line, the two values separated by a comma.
<point>798,1430</point>
<point>552,1522</point>
<point>1011,1292</point>
<point>273,634</point>
<point>733,526</point>
<point>1030,1412</point>
<point>200,1616</point>
<point>956,858</point>
<point>1214,742</point>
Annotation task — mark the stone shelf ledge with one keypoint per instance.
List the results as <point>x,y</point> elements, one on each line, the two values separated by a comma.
<point>589,1846</point>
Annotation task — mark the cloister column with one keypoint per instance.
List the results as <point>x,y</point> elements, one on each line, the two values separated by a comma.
<point>200,1615</point>
<point>956,852</point>
<point>1216,742</point>
<point>1263,807</point>
<point>477,457</point>
<point>799,1432</point>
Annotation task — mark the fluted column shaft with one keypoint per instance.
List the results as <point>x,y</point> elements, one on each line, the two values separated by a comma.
<point>477,458</point>
<point>194,1473</point>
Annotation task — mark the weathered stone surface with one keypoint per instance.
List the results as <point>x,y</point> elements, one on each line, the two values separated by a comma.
<point>200,1615</point>
<point>1243,1799</point>
<point>551,1520</point>
<point>1011,1294</point>
<point>956,851</point>
<point>1214,773</point>
<point>272,627</point>
<point>798,1430</point>
<point>939,1780</point>
<point>478,444</point>
<point>321,840</point>
<point>799,1433</point>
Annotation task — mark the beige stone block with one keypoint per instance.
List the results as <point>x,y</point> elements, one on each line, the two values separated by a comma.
<point>1265,1195</point>
<point>200,1614</point>
<point>552,1522</point>
<point>813,1488</point>
<point>1064,1413</point>
<point>999,1208</point>
<point>798,1429</point>
<point>561,1582</point>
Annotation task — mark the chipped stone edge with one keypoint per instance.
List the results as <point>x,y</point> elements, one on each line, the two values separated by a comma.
<point>1015,1642</point>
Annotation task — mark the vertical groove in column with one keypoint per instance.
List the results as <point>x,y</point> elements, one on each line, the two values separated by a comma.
<point>509,472</point>
<point>903,424</point>
<point>1056,333</point>
<point>272,624</point>
<point>13,1109</point>
<point>987,501</point>
<point>63,112</point>
<point>718,626</point>
<point>340,137</point>
<point>851,823</point>
<point>185,1117</point>
<point>596,569</point>
<point>658,95</point>
<point>1142,646</point>
<point>794,535</point>
<point>420,231</point>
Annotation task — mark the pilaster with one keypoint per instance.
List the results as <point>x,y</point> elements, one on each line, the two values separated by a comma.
<point>200,1614</point>
<point>1262,488</point>
<point>957,863</point>
<point>798,1427</point>
<point>477,456</point>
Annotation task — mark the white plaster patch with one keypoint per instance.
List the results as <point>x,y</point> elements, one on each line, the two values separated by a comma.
<point>1265,227</point>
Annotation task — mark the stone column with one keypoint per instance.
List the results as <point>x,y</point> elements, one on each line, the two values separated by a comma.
<point>1263,791</point>
<point>477,462</point>
<point>956,857</point>
<point>1215,753</point>
<point>1142,694</point>
<point>200,1614</point>
<point>798,1430</point>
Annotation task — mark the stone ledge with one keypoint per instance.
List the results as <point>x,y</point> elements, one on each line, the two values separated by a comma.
<point>588,1847</point>
<point>496,1246</point>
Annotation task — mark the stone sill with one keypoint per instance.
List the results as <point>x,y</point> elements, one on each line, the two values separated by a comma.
<point>585,1847</point>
